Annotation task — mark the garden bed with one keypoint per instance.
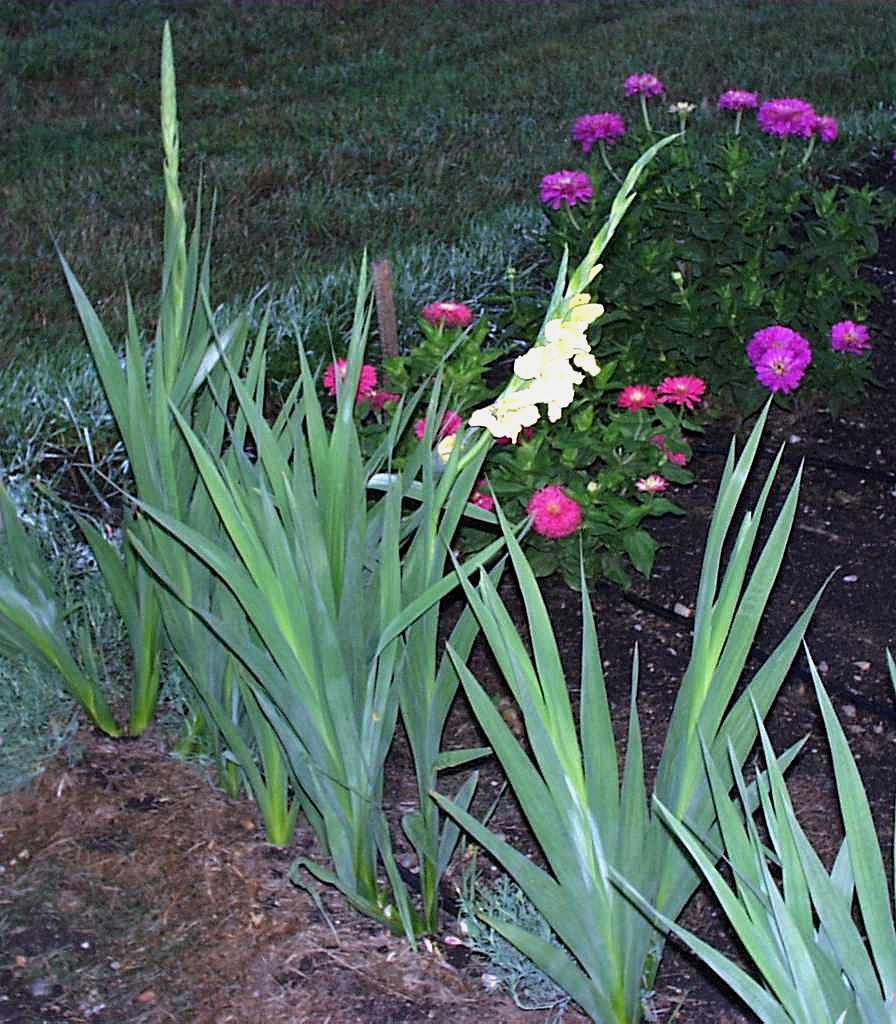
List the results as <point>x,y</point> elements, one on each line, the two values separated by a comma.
<point>134,891</point>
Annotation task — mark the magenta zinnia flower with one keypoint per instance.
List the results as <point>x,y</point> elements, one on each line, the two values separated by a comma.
<point>637,396</point>
<point>779,339</point>
<point>644,84</point>
<point>850,337</point>
<point>591,128</point>
<point>780,370</point>
<point>554,514</point>
<point>652,484</point>
<point>686,391</point>
<point>451,423</point>
<point>787,117</point>
<point>568,187</point>
<point>826,128</point>
<point>738,99</point>
<point>448,314</point>
<point>336,372</point>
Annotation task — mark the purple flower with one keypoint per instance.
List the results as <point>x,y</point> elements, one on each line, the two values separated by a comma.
<point>568,187</point>
<point>850,337</point>
<point>787,117</point>
<point>826,128</point>
<point>779,339</point>
<point>779,370</point>
<point>591,128</point>
<point>779,357</point>
<point>645,84</point>
<point>738,99</point>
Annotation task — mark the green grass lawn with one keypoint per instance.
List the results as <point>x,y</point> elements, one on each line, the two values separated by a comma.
<point>418,129</point>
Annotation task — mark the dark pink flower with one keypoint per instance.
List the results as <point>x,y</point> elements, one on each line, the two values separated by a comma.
<point>554,513</point>
<point>653,484</point>
<point>637,396</point>
<point>644,84</point>
<point>451,423</point>
<point>779,339</point>
<point>687,391</point>
<point>591,128</point>
<point>481,498</point>
<point>738,99</point>
<point>380,399</point>
<point>787,117</point>
<point>850,337</point>
<point>335,375</point>
<point>568,187</point>
<point>826,128</point>
<point>448,314</point>
<point>779,370</point>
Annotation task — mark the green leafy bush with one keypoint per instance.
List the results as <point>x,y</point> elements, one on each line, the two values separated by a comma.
<point>732,233</point>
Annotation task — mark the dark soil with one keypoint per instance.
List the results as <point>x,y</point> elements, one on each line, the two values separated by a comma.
<point>132,891</point>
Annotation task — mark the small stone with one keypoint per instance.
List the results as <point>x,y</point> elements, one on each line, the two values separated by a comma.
<point>862,666</point>
<point>247,824</point>
<point>682,610</point>
<point>41,987</point>
<point>146,997</point>
<point>848,710</point>
<point>823,667</point>
<point>852,578</point>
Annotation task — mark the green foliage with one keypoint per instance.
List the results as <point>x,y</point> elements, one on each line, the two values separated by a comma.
<point>34,620</point>
<point>591,820</point>
<point>459,356</point>
<point>732,234</point>
<point>822,941</point>
<point>501,899</point>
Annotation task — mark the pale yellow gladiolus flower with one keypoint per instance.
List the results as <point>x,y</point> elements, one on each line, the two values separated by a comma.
<point>507,416</point>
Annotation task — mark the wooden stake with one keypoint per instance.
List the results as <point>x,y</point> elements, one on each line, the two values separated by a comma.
<point>385,307</point>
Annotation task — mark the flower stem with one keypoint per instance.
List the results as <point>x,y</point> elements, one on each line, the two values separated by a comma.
<point>644,113</point>
<point>602,146</point>
<point>737,118</point>
<point>808,152</point>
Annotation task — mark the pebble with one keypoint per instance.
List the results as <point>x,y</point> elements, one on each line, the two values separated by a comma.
<point>850,579</point>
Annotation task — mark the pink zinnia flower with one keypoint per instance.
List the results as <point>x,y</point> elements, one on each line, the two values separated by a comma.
<point>448,314</point>
<point>380,399</point>
<point>591,128</point>
<point>787,117</point>
<point>779,370</point>
<point>847,336</point>
<point>637,396</point>
<point>554,513</point>
<point>645,84</point>
<point>686,391</point>
<point>481,498</point>
<point>738,99</point>
<point>780,339</point>
<point>451,423</point>
<point>826,128</point>
<point>568,187</point>
<point>652,484</point>
<point>335,374</point>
